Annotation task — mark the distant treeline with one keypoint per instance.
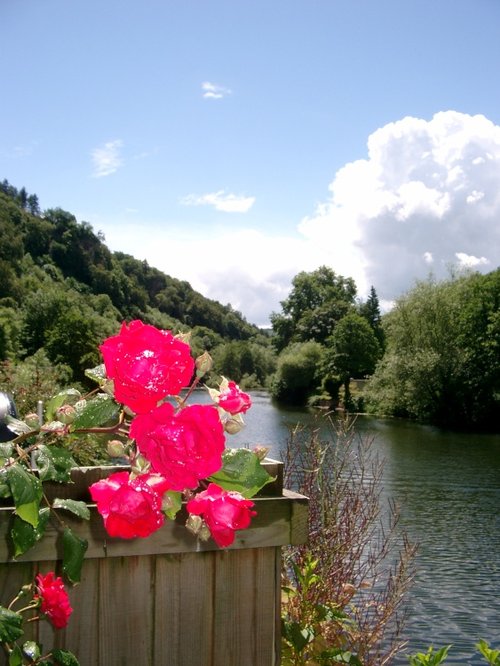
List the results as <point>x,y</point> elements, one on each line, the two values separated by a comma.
<point>435,357</point>
<point>62,291</point>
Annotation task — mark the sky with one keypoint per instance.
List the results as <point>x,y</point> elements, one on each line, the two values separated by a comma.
<point>235,143</point>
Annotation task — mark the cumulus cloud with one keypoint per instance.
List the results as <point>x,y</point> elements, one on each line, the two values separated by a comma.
<point>107,159</point>
<point>428,193</point>
<point>214,91</point>
<point>227,203</point>
<point>425,197</point>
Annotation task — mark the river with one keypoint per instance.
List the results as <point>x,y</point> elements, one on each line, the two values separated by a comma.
<point>447,486</point>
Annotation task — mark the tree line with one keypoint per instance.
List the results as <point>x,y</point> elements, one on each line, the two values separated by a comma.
<point>62,291</point>
<point>434,357</point>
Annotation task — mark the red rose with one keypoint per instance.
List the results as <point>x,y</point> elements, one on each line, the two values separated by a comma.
<point>223,511</point>
<point>182,447</point>
<point>146,365</point>
<point>131,507</point>
<point>233,400</point>
<point>54,599</point>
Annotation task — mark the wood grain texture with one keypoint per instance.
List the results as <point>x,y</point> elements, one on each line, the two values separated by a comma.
<point>167,600</point>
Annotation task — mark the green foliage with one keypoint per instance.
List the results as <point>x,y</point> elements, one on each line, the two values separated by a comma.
<point>491,656</point>
<point>352,351</point>
<point>306,624</point>
<point>249,363</point>
<point>298,372</point>
<point>442,362</point>
<point>429,658</point>
<point>433,658</point>
<point>242,472</point>
<point>344,589</point>
<point>62,290</point>
<point>317,302</point>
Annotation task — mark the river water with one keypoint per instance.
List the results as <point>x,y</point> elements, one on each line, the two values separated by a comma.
<point>447,486</point>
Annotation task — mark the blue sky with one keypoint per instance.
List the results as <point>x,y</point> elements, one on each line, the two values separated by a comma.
<point>234,143</point>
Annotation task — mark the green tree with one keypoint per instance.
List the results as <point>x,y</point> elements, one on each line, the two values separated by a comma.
<point>442,362</point>
<point>370,310</point>
<point>298,372</point>
<point>352,351</point>
<point>317,301</point>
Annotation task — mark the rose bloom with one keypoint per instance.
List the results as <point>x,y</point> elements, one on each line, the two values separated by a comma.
<point>224,511</point>
<point>182,447</point>
<point>233,400</point>
<point>131,507</point>
<point>54,599</point>
<point>146,364</point>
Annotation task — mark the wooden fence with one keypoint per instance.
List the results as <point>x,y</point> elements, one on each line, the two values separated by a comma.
<point>168,600</point>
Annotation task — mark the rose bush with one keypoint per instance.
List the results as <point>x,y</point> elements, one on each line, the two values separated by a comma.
<point>179,465</point>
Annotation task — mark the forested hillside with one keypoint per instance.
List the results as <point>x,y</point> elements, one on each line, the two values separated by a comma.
<point>62,291</point>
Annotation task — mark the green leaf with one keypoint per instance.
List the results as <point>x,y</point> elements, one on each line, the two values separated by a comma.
<point>297,635</point>
<point>171,504</point>
<point>6,450</point>
<point>241,471</point>
<point>4,483</point>
<point>24,535</point>
<point>97,412</point>
<point>65,657</point>
<point>10,625</point>
<point>31,650</point>
<point>80,509</point>
<point>67,397</point>
<point>26,491</point>
<point>74,549</point>
<point>16,657</point>
<point>54,463</point>
<point>97,374</point>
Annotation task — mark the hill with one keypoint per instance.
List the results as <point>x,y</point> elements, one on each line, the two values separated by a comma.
<point>62,291</point>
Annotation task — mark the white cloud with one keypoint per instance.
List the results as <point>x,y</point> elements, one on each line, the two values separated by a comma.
<point>107,159</point>
<point>214,91</point>
<point>470,261</point>
<point>227,203</point>
<point>389,218</point>
<point>428,191</point>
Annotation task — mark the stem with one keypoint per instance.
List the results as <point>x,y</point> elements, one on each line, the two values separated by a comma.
<point>108,429</point>
<point>191,389</point>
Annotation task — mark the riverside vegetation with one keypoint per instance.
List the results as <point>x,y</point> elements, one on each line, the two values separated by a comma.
<point>433,358</point>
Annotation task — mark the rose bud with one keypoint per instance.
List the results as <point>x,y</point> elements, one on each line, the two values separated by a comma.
<point>203,364</point>
<point>115,448</point>
<point>66,414</point>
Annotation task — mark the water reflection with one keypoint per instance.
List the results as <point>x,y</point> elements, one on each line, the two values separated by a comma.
<point>448,488</point>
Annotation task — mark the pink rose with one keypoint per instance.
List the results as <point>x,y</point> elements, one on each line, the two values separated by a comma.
<point>223,511</point>
<point>233,400</point>
<point>131,507</point>
<point>54,599</point>
<point>182,447</point>
<point>146,365</point>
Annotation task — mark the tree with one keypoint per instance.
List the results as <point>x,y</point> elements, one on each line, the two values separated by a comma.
<point>442,362</point>
<point>370,310</point>
<point>298,372</point>
<point>317,302</point>
<point>352,351</point>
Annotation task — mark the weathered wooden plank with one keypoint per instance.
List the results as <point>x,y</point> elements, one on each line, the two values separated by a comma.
<point>274,525</point>
<point>126,606</point>
<point>168,599</point>
<point>245,590</point>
